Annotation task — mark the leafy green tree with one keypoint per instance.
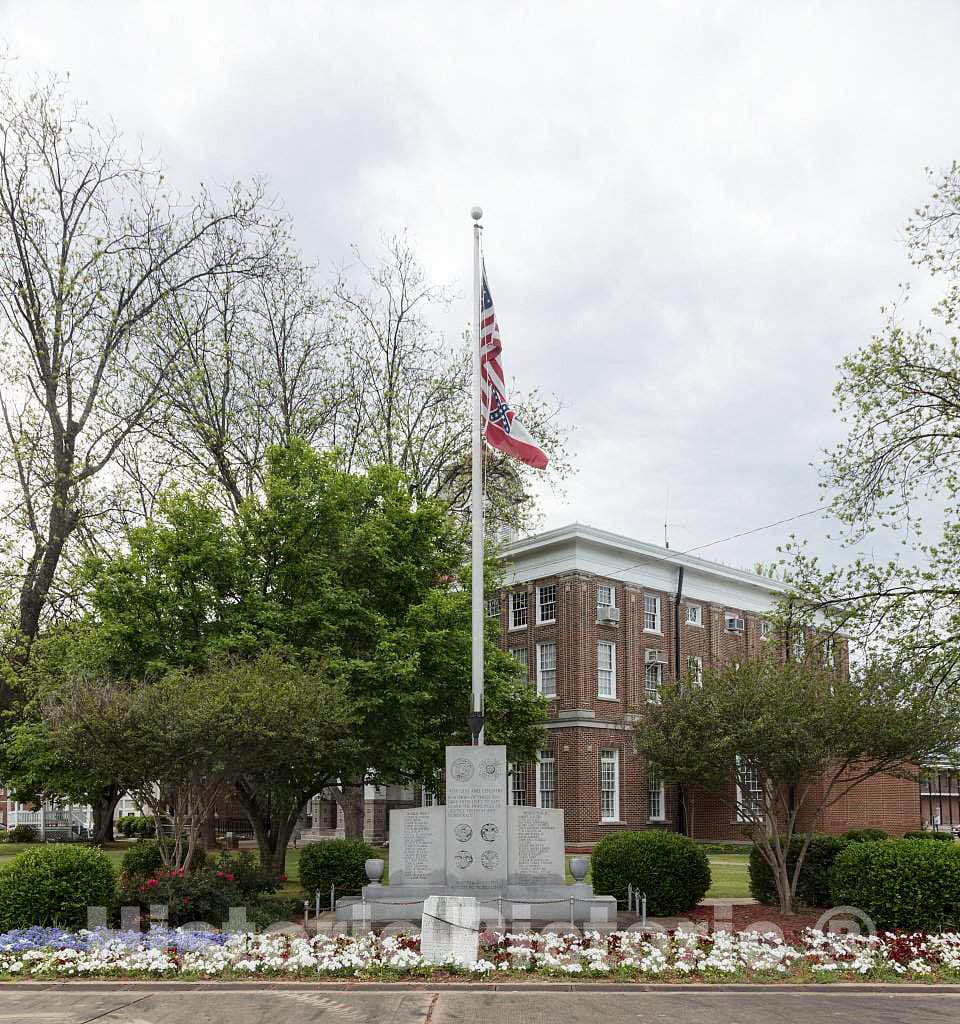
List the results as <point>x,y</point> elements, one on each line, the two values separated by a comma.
<point>339,570</point>
<point>779,742</point>
<point>269,728</point>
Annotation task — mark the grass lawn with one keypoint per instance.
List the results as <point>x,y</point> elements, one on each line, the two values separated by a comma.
<point>728,871</point>
<point>729,876</point>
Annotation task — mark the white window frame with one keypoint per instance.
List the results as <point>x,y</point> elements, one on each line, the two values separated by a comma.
<point>652,694</point>
<point>610,759</point>
<point>547,586</point>
<point>516,607</point>
<point>611,672</point>
<point>798,646</point>
<point>611,593</point>
<point>521,655</point>
<point>696,619</point>
<point>546,760</point>
<point>493,607</point>
<point>766,628</point>
<point>654,600</point>
<point>656,790</point>
<point>742,800</point>
<point>540,669</point>
<point>517,771</point>
<point>695,669</point>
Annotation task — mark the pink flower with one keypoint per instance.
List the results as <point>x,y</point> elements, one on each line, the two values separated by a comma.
<point>152,882</point>
<point>219,874</point>
<point>229,878</point>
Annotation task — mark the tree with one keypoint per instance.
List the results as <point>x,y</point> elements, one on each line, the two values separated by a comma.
<point>779,742</point>
<point>899,396</point>
<point>338,569</point>
<point>93,243</point>
<point>268,728</point>
<point>406,397</point>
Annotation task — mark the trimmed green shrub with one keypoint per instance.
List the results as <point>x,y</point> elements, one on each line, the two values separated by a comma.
<point>909,885</point>
<point>143,858</point>
<point>54,885</point>
<point>335,861</point>
<point>267,910</point>
<point>22,834</point>
<point>671,869</point>
<point>926,834</point>
<point>813,885</point>
<point>865,835</point>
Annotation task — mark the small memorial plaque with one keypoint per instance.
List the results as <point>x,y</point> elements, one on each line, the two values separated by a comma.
<point>417,848</point>
<point>450,928</point>
<point>476,831</point>
<point>536,846</point>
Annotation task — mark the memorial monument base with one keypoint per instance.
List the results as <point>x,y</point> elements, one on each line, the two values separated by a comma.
<point>532,905</point>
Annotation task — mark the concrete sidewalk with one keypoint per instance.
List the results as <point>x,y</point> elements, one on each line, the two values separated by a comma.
<point>254,1003</point>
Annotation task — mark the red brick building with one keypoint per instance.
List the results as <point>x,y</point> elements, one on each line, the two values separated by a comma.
<point>601,621</point>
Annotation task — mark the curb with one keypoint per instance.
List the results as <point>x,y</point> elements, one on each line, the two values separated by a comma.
<point>566,988</point>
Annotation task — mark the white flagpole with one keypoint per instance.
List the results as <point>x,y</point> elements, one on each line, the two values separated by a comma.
<point>476,491</point>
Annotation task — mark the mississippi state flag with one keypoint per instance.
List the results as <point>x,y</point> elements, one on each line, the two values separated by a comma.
<point>501,427</point>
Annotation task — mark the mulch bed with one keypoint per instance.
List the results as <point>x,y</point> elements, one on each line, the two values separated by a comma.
<point>746,917</point>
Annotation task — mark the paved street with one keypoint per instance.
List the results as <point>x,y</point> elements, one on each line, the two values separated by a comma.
<point>72,1005</point>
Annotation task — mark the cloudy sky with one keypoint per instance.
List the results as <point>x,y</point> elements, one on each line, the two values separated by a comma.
<point>692,210</point>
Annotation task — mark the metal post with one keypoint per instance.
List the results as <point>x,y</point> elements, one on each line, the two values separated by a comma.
<point>630,897</point>
<point>571,911</point>
<point>643,919</point>
<point>476,486</point>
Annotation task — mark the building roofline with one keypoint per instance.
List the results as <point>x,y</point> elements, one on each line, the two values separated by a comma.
<point>645,553</point>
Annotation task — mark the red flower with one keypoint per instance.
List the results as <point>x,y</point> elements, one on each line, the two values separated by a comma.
<point>229,877</point>
<point>283,878</point>
<point>219,874</point>
<point>152,882</point>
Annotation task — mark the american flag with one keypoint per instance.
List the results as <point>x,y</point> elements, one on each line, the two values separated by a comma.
<point>500,425</point>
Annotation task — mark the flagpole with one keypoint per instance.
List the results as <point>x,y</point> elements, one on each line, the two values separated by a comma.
<point>476,492</point>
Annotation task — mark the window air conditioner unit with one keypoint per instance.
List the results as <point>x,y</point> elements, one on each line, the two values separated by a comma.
<point>608,614</point>
<point>656,658</point>
<point>735,624</point>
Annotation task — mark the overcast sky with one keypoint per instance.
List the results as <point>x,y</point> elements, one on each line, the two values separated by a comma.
<point>692,210</point>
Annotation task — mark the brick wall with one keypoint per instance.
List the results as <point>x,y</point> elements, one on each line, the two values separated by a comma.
<point>602,723</point>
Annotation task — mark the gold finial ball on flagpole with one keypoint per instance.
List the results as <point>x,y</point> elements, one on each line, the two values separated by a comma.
<point>476,212</point>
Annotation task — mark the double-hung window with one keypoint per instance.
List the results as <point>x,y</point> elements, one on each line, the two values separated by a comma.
<point>609,785</point>
<point>652,681</point>
<point>518,784</point>
<point>520,656</point>
<point>765,629</point>
<point>518,609</point>
<point>695,670</point>
<point>651,613</point>
<point>799,646</point>
<point>547,603</point>
<point>606,669</point>
<point>605,596</point>
<point>547,669</point>
<point>493,607</point>
<point>546,780</point>
<point>694,615</point>
<point>656,803</point>
<point>749,791</point>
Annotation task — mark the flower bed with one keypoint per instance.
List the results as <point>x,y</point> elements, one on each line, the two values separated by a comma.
<point>50,953</point>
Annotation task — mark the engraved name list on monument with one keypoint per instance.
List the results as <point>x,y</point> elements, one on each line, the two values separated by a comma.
<point>417,846</point>
<point>536,846</point>
<point>476,817</point>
